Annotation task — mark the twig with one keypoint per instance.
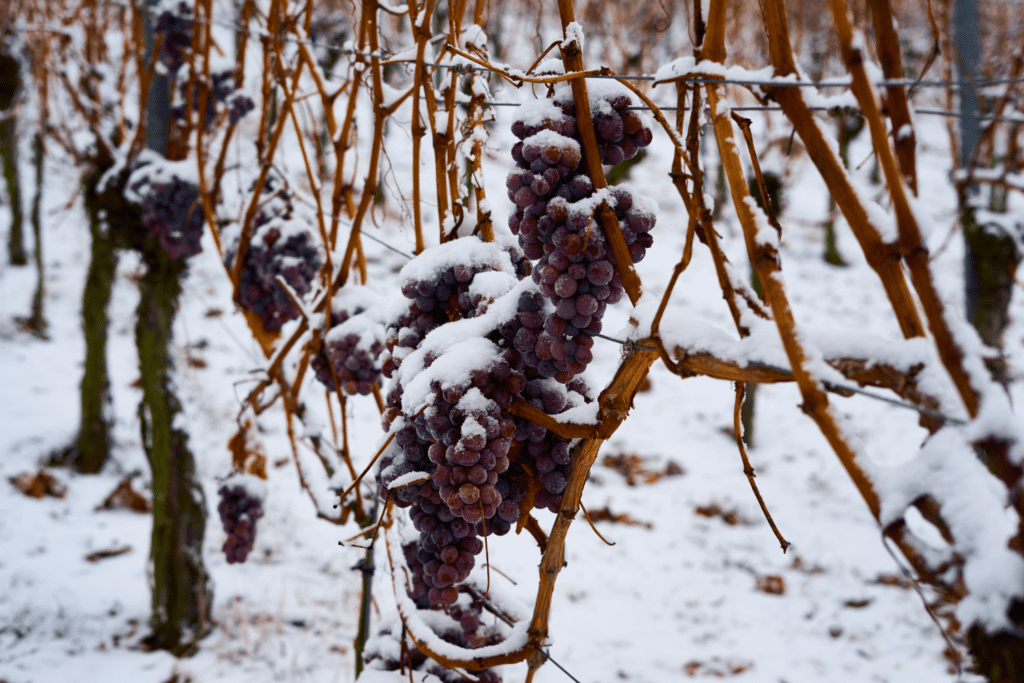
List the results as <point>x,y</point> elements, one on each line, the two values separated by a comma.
<point>591,523</point>
<point>737,423</point>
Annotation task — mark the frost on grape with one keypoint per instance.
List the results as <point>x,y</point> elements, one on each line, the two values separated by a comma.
<point>458,358</point>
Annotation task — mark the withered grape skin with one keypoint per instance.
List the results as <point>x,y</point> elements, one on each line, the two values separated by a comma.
<point>239,510</point>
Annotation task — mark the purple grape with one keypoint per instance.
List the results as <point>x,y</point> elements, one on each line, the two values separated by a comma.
<point>239,508</point>
<point>172,212</point>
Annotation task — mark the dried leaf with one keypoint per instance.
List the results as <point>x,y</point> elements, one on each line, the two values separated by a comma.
<point>606,515</point>
<point>125,497</point>
<point>730,517</point>
<point>247,454</point>
<point>633,468</point>
<point>773,584</point>
<point>715,668</point>
<point>895,580</point>
<point>42,483</point>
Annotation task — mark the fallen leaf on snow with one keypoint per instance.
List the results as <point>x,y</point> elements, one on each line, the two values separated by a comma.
<point>773,584</point>
<point>125,497</point>
<point>634,469</point>
<point>716,668</point>
<point>42,483</point>
<point>894,580</point>
<point>730,517</point>
<point>606,515</point>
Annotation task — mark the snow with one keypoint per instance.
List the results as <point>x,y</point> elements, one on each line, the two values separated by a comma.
<point>573,34</point>
<point>549,138</point>
<point>534,112</point>
<point>681,592</point>
<point>766,235</point>
<point>469,251</point>
<point>254,487</point>
<point>407,479</point>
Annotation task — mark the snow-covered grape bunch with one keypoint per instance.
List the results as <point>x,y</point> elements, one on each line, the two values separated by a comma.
<point>460,460</point>
<point>282,244</point>
<point>173,30</point>
<point>462,627</point>
<point>172,211</point>
<point>437,297</point>
<point>621,132</point>
<point>241,505</point>
<point>221,91</point>
<point>353,345</point>
<point>556,222</point>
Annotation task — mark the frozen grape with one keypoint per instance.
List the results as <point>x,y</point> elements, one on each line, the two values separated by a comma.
<point>241,505</point>
<point>172,211</point>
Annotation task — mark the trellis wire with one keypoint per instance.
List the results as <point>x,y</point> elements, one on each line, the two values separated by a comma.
<point>940,83</point>
<point>937,112</point>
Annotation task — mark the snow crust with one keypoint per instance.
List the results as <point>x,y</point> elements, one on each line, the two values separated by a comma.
<point>253,486</point>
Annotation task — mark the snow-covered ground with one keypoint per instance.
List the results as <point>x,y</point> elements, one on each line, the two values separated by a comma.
<point>680,595</point>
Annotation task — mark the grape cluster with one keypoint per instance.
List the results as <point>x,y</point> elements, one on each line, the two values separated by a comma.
<point>556,223</point>
<point>621,133</point>
<point>238,106</point>
<point>486,468</point>
<point>173,29</point>
<point>221,91</point>
<point>442,296</point>
<point>461,439</point>
<point>353,345</point>
<point>172,211</point>
<point>241,505</point>
<point>282,244</point>
<point>384,651</point>
<point>448,545</point>
<point>548,454</point>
